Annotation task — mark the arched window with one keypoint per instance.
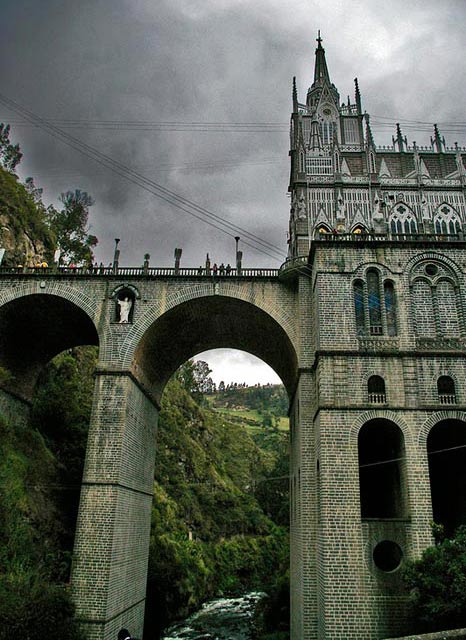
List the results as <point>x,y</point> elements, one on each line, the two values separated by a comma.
<point>321,230</point>
<point>402,220</point>
<point>376,390</point>
<point>446,390</point>
<point>359,229</point>
<point>436,308</point>
<point>374,315</point>
<point>390,307</point>
<point>446,448</point>
<point>446,221</point>
<point>373,296</point>
<point>358,290</point>
<point>382,476</point>
<point>424,318</point>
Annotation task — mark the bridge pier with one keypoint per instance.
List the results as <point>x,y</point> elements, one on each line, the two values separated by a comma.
<point>15,409</point>
<point>109,570</point>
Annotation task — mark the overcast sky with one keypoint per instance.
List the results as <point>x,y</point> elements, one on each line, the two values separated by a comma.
<point>211,61</point>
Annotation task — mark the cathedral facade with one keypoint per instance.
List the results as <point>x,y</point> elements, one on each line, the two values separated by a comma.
<point>378,424</point>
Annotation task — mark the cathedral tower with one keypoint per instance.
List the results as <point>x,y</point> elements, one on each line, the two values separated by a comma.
<point>378,422</point>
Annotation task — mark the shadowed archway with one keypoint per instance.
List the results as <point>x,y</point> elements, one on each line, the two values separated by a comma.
<point>35,328</point>
<point>208,323</point>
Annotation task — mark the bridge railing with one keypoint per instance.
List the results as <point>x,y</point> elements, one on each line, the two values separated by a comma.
<point>152,272</point>
<point>397,237</point>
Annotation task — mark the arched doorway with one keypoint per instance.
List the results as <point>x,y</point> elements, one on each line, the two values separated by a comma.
<point>382,472</point>
<point>446,449</point>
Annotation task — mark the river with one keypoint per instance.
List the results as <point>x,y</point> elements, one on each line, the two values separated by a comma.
<point>220,619</point>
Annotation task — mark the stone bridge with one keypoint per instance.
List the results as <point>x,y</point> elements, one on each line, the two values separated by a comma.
<point>369,338</point>
<point>174,316</point>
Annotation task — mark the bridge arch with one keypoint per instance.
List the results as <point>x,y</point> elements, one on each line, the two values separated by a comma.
<point>209,322</point>
<point>35,327</point>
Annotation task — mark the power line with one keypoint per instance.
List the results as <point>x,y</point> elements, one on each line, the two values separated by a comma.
<point>171,197</point>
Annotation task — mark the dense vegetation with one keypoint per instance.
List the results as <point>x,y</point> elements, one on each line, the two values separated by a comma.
<point>437,584</point>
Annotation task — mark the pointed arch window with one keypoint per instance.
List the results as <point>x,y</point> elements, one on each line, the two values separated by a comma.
<point>403,220</point>
<point>446,390</point>
<point>446,221</point>
<point>322,229</point>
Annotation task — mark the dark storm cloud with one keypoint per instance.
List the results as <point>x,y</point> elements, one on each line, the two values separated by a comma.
<point>212,61</point>
<point>223,61</point>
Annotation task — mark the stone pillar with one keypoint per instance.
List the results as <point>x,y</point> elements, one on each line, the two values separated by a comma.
<point>109,568</point>
<point>303,515</point>
<point>14,408</point>
<point>303,479</point>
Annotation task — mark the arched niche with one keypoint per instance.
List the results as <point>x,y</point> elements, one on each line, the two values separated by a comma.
<point>35,328</point>
<point>207,323</point>
<point>446,449</point>
<point>382,470</point>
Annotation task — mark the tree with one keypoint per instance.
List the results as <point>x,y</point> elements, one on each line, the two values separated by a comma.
<point>437,584</point>
<point>70,226</point>
<point>10,154</point>
<point>195,378</point>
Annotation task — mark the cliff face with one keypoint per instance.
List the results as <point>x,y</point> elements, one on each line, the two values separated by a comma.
<point>24,233</point>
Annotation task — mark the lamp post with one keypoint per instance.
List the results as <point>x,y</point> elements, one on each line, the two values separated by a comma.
<point>239,256</point>
<point>178,253</point>
<point>116,256</point>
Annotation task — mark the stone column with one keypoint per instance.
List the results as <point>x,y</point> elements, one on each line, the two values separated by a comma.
<point>109,568</point>
<point>303,479</point>
<point>303,515</point>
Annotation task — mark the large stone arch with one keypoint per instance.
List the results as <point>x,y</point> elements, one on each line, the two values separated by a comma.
<point>258,295</point>
<point>34,327</point>
<point>178,322</point>
<point>210,322</point>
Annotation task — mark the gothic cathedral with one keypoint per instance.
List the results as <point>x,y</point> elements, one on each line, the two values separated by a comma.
<point>378,423</point>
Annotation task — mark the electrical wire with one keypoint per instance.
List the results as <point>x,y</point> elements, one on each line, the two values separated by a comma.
<point>171,197</point>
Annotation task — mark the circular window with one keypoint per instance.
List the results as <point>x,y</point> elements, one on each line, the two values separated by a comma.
<point>387,555</point>
<point>431,269</point>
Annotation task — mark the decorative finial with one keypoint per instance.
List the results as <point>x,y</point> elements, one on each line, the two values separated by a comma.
<point>357,96</point>
<point>319,39</point>
<point>295,96</point>
<point>438,142</point>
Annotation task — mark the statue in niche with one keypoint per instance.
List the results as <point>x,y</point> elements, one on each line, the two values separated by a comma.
<point>341,211</point>
<point>125,309</point>
<point>378,211</point>
<point>425,209</point>
<point>301,208</point>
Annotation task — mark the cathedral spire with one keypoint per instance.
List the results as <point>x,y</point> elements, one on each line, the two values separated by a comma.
<point>320,68</point>
<point>357,96</point>
<point>437,142</point>
<point>401,141</point>
<point>295,96</point>
<point>369,136</point>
